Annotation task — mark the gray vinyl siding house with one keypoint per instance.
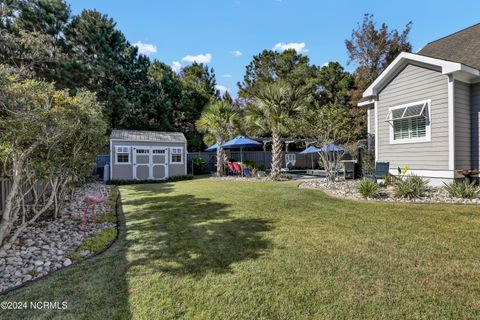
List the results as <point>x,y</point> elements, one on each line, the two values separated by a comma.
<point>422,111</point>
<point>147,155</point>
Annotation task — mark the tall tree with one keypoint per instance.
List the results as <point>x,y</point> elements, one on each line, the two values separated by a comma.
<point>335,84</point>
<point>31,37</point>
<point>101,59</point>
<point>289,66</point>
<point>273,112</point>
<point>219,119</point>
<point>198,89</point>
<point>372,49</point>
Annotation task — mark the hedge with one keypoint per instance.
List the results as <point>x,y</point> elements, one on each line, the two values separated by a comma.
<point>170,179</point>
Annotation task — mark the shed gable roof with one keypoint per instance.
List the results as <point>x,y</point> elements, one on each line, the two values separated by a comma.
<point>462,46</point>
<point>147,136</point>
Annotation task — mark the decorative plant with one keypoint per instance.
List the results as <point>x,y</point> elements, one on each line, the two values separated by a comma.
<point>411,187</point>
<point>390,180</point>
<point>369,188</point>
<point>198,164</point>
<point>260,167</point>
<point>403,171</point>
<point>249,164</point>
<point>368,163</point>
<point>463,189</point>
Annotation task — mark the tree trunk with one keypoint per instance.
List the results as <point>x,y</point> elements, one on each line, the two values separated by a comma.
<point>18,163</point>
<point>276,154</point>
<point>220,158</point>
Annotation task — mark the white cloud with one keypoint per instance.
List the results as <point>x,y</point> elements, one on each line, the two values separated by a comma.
<point>325,64</point>
<point>221,88</point>
<point>297,46</point>
<point>200,58</point>
<point>227,75</point>
<point>176,66</point>
<point>236,53</point>
<point>145,48</point>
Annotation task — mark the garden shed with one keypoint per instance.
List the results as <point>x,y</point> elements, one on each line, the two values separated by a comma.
<point>147,155</point>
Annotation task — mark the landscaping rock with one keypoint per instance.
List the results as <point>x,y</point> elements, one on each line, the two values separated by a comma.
<point>41,248</point>
<point>349,190</point>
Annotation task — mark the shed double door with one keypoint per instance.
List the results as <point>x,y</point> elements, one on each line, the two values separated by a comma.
<point>150,163</point>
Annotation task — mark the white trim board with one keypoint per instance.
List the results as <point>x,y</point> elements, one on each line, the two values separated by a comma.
<point>443,174</point>
<point>451,123</point>
<point>375,108</point>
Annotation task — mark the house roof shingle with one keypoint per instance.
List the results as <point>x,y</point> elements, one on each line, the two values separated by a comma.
<point>152,136</point>
<point>462,46</point>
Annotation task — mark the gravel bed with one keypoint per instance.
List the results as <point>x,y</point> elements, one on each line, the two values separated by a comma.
<point>349,190</point>
<point>42,248</point>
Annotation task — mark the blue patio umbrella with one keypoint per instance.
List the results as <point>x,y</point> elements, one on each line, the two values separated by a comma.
<point>240,142</point>
<point>212,148</point>
<point>332,147</point>
<point>310,149</point>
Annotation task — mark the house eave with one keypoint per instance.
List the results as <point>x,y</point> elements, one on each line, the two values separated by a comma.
<point>460,71</point>
<point>367,103</point>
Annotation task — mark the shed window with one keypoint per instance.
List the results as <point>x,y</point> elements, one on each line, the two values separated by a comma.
<point>410,123</point>
<point>142,151</point>
<point>122,154</point>
<point>176,155</point>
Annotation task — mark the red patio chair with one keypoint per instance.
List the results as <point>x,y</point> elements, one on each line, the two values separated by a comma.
<point>231,168</point>
<point>237,168</point>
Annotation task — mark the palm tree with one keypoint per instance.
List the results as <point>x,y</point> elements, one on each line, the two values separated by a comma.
<point>273,111</point>
<point>219,120</point>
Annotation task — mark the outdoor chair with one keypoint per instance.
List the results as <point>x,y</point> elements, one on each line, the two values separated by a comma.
<point>237,168</point>
<point>381,171</point>
<point>231,169</point>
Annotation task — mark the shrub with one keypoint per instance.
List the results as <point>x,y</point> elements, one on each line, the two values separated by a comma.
<point>390,180</point>
<point>260,167</point>
<point>411,187</point>
<point>368,163</point>
<point>170,179</point>
<point>198,164</point>
<point>369,188</point>
<point>463,189</point>
<point>249,164</point>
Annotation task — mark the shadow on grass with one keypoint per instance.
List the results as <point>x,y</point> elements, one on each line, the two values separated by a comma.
<point>188,235</point>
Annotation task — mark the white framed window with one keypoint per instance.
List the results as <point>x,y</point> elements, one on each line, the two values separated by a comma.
<point>176,155</point>
<point>122,155</point>
<point>410,123</point>
<point>142,151</point>
<point>158,151</point>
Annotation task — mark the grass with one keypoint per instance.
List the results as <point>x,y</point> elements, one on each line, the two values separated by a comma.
<point>209,249</point>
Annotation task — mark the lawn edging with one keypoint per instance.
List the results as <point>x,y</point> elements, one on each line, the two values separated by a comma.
<point>119,229</point>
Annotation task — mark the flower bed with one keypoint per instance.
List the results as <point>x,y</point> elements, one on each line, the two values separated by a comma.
<point>349,190</point>
<point>53,244</point>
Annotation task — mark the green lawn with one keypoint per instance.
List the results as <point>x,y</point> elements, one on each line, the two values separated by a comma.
<point>208,249</point>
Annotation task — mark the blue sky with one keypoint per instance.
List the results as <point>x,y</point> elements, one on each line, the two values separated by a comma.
<point>227,33</point>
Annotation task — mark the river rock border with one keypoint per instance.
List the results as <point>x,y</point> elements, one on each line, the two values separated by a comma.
<point>349,190</point>
<point>44,247</point>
